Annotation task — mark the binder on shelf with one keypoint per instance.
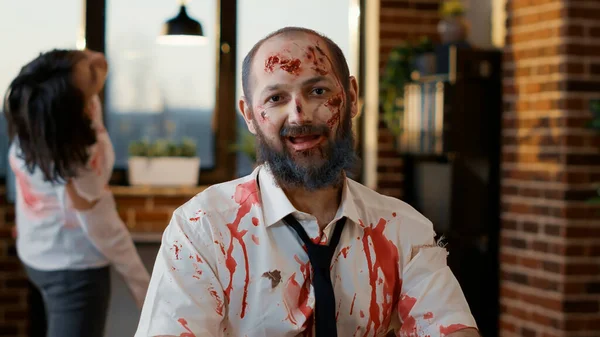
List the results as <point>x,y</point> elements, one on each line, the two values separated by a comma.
<point>423,118</point>
<point>447,113</point>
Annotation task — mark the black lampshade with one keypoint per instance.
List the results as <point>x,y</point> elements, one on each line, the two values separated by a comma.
<point>182,24</point>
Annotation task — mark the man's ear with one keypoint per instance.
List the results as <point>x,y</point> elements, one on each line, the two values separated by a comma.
<point>246,110</point>
<point>353,94</point>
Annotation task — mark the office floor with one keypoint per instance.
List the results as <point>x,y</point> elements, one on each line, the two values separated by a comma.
<point>123,315</point>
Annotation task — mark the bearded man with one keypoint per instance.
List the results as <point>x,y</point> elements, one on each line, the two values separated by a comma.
<point>297,247</point>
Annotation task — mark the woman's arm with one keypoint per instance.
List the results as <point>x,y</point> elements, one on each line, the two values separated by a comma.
<point>93,178</point>
<point>107,232</point>
<point>77,201</point>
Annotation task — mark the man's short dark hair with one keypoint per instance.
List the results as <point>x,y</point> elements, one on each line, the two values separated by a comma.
<point>340,65</point>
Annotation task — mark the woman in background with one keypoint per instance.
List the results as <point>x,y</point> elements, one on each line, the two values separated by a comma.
<point>68,228</point>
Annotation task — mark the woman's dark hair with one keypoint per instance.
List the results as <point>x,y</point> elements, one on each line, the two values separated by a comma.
<point>45,113</point>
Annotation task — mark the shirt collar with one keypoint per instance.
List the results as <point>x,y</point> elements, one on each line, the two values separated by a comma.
<point>276,204</point>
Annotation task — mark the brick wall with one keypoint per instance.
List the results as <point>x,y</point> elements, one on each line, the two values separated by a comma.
<point>13,284</point>
<point>150,212</point>
<point>550,238</point>
<point>401,20</point>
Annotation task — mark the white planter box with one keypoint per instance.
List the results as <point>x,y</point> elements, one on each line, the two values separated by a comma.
<point>164,171</point>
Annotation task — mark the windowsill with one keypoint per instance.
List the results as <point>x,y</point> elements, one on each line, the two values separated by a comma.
<point>156,191</point>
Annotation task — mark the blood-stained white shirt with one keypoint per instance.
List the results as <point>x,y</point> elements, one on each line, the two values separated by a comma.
<point>229,266</point>
<point>53,235</point>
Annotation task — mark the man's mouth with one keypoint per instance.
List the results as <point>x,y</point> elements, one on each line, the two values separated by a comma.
<point>305,142</point>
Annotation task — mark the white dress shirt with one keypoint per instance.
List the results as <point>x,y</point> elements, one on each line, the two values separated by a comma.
<point>229,266</point>
<point>52,235</point>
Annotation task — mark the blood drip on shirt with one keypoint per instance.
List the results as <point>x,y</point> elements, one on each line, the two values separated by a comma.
<point>447,330</point>
<point>184,324</point>
<point>343,251</point>
<point>176,250</point>
<point>385,258</point>
<point>337,314</point>
<point>352,305</point>
<point>215,295</point>
<point>246,195</point>
<point>409,324</point>
<point>197,271</point>
<point>30,199</point>
<point>296,295</point>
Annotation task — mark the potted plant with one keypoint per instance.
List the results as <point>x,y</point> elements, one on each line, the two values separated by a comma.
<point>163,163</point>
<point>452,27</point>
<point>405,60</point>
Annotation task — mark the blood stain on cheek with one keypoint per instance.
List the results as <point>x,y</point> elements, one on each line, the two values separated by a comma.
<point>262,112</point>
<point>334,104</point>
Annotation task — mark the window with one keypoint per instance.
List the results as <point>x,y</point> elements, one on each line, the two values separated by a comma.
<point>337,19</point>
<point>26,29</point>
<point>168,91</point>
<point>159,90</point>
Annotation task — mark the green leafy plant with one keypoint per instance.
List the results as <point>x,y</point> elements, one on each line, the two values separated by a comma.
<point>163,148</point>
<point>452,8</point>
<point>423,45</point>
<point>396,74</point>
<point>246,144</point>
<point>595,125</point>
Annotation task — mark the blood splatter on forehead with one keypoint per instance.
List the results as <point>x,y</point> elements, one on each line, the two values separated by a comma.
<point>289,65</point>
<point>318,62</point>
<point>297,57</point>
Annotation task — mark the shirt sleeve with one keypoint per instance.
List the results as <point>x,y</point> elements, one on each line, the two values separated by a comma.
<point>431,302</point>
<point>110,236</point>
<point>93,178</point>
<point>185,296</point>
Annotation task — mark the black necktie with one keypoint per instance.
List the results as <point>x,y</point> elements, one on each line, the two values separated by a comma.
<point>320,259</point>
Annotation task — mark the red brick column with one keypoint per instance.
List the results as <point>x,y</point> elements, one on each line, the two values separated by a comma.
<point>550,237</point>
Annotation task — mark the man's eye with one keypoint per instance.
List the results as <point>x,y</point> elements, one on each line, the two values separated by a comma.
<point>275,98</point>
<point>319,91</point>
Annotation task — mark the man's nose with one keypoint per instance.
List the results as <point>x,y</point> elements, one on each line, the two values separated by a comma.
<point>298,111</point>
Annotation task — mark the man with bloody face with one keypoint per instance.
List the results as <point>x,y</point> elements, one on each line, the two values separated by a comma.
<point>297,247</point>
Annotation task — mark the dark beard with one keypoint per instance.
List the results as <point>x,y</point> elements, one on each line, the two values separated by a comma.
<point>339,157</point>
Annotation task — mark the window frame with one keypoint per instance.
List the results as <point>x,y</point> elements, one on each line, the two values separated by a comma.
<point>224,114</point>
